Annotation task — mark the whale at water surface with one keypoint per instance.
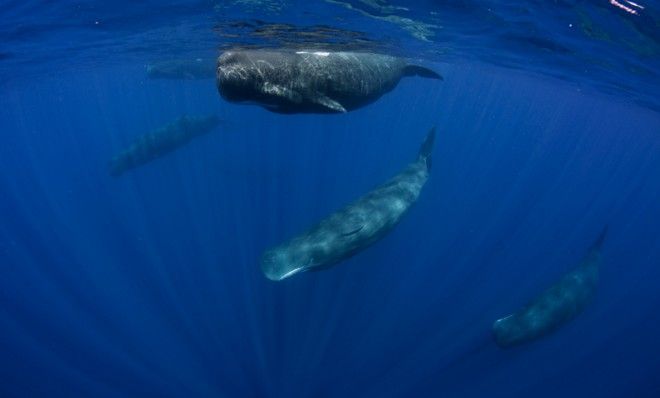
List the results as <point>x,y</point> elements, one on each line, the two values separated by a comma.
<point>287,81</point>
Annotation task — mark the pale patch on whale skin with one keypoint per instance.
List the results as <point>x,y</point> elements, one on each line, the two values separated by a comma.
<point>318,53</point>
<point>353,228</point>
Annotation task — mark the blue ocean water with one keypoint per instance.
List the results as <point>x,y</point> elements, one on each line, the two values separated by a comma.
<point>149,284</point>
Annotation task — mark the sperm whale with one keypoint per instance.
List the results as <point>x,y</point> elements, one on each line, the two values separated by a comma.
<point>554,307</point>
<point>161,141</point>
<point>355,227</point>
<point>288,81</point>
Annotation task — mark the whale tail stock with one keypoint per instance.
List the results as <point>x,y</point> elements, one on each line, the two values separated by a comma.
<point>416,70</point>
<point>599,241</point>
<point>116,167</point>
<point>427,148</point>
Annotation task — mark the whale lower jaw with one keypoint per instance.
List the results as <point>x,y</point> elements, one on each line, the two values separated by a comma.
<point>286,275</point>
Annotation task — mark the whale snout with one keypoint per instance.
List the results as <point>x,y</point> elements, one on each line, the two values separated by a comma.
<point>510,331</point>
<point>277,265</point>
<point>227,58</point>
<point>236,78</point>
<point>233,65</point>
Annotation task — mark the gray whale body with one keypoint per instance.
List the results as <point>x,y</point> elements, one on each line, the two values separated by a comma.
<point>287,81</point>
<point>353,228</point>
<point>554,307</point>
<point>160,142</point>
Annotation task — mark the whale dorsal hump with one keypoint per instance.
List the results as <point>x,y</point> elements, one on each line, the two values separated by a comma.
<point>329,103</point>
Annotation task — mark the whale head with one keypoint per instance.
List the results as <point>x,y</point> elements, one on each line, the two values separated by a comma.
<point>282,262</point>
<point>258,77</point>
<point>239,77</point>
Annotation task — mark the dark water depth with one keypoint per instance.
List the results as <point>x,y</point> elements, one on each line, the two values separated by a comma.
<point>148,285</point>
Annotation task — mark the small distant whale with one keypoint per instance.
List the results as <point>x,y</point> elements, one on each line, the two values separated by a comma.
<point>556,306</point>
<point>161,141</point>
<point>355,227</point>
<point>199,68</point>
<point>287,81</point>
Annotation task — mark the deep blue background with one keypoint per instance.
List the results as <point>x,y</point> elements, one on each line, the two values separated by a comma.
<point>149,285</point>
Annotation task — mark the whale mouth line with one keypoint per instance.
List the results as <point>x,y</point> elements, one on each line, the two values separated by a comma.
<point>292,272</point>
<point>274,276</point>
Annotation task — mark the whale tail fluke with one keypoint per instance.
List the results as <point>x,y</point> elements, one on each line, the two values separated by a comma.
<point>427,147</point>
<point>416,70</point>
<point>598,243</point>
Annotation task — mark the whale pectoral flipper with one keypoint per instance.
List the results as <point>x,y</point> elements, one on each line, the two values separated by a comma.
<point>353,232</point>
<point>416,70</point>
<point>329,103</point>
